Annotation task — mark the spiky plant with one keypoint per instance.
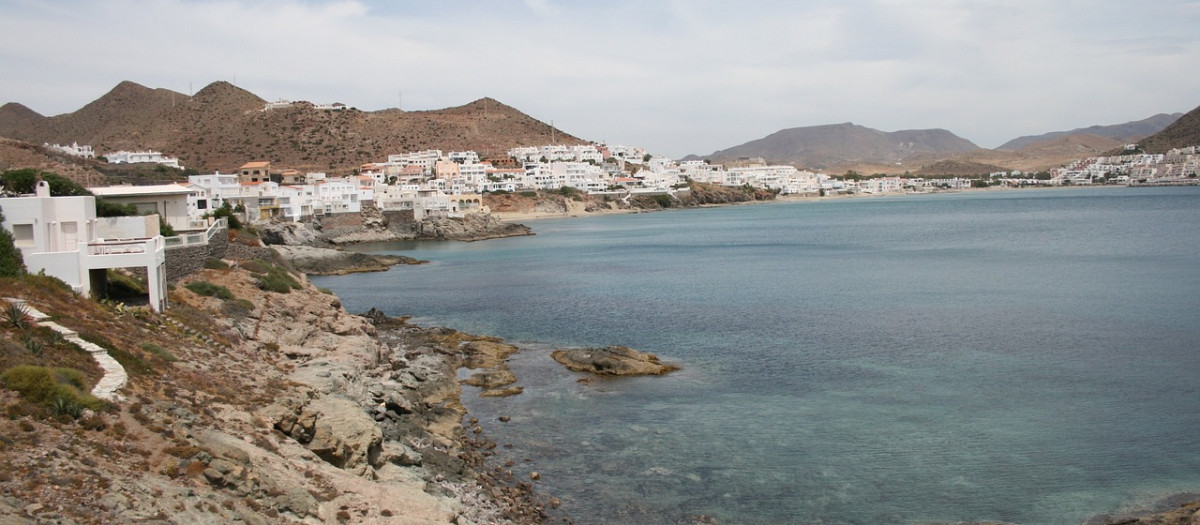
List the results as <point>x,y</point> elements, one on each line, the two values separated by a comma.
<point>17,315</point>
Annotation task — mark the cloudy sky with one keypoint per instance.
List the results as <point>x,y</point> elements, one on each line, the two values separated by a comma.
<point>674,76</point>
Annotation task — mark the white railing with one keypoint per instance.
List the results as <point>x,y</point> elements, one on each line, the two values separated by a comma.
<point>122,246</point>
<point>197,238</point>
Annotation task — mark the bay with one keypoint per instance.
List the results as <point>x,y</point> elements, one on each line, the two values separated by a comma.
<point>1021,356</point>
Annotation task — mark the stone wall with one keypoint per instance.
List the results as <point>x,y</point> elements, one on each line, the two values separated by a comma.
<point>241,252</point>
<point>183,260</point>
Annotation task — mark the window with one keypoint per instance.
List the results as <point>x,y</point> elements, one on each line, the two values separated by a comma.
<point>22,234</point>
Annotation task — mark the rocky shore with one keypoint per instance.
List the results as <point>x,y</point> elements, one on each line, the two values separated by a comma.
<point>318,248</point>
<point>273,408</point>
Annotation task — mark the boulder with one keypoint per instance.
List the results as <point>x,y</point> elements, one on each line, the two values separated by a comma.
<point>612,360</point>
<point>335,429</point>
<point>491,379</point>
<point>287,233</point>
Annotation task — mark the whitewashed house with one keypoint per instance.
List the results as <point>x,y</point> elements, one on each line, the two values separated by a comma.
<point>84,151</point>
<point>170,201</point>
<point>136,157</point>
<point>213,190</point>
<point>63,237</point>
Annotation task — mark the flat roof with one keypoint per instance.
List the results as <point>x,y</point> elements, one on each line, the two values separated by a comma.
<point>136,191</point>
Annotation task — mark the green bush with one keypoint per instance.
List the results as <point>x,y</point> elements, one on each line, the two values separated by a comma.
<point>63,390</point>
<point>213,263</point>
<point>227,212</point>
<point>530,194</point>
<point>12,264</point>
<point>106,208</point>
<point>25,181</point>
<point>208,289</point>
<point>159,352</point>
<point>277,279</point>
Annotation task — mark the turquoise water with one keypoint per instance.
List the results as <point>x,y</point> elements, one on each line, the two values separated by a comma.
<point>1022,356</point>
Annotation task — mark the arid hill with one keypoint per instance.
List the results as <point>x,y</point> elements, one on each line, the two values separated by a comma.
<point>839,148</point>
<point>834,144</point>
<point>1123,133</point>
<point>223,126</point>
<point>1182,133</point>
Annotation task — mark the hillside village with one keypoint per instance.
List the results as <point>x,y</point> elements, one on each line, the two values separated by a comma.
<point>433,183</point>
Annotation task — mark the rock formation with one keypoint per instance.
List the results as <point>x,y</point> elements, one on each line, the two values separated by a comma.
<point>612,360</point>
<point>327,261</point>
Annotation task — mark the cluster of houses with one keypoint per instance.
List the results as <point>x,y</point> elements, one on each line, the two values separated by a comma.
<point>1175,167</point>
<point>117,157</point>
<point>433,183</point>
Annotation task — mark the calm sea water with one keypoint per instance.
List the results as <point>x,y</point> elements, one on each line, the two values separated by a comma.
<point>1023,356</point>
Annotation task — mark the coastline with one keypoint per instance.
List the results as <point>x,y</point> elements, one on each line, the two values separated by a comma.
<point>1134,514</point>
<point>576,210</point>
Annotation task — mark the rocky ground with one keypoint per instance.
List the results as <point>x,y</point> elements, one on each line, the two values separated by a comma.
<point>271,408</point>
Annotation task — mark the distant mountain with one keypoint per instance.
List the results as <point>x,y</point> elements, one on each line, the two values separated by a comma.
<point>1182,133</point>
<point>824,146</point>
<point>1126,133</point>
<point>223,126</point>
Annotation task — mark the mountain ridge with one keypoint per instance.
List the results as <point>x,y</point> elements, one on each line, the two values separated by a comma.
<point>1184,132</point>
<point>1126,132</point>
<point>829,145</point>
<point>223,126</point>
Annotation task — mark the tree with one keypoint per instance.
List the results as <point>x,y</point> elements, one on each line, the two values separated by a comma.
<point>25,181</point>
<point>11,262</point>
<point>227,212</point>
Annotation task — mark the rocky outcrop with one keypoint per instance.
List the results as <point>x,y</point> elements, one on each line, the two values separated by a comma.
<point>288,233</point>
<point>335,429</point>
<point>612,360</point>
<point>473,227</point>
<point>327,261</point>
<point>373,225</point>
<point>489,357</point>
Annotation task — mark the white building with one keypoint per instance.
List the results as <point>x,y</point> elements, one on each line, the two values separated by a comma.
<point>212,191</point>
<point>136,157</point>
<point>170,201</point>
<point>63,237</point>
<point>74,149</point>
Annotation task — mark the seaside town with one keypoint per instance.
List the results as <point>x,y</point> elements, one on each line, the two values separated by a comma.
<point>434,183</point>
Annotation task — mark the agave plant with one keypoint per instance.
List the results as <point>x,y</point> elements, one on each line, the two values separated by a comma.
<point>17,315</point>
<point>32,344</point>
<point>64,406</point>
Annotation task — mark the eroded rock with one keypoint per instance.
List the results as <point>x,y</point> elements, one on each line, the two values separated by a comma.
<point>612,360</point>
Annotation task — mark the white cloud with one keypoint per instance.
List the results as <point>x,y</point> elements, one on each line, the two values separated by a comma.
<point>675,76</point>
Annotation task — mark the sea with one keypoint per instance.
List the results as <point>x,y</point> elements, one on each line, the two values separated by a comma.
<point>1023,356</point>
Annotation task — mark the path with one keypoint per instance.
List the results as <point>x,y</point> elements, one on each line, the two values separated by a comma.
<point>114,374</point>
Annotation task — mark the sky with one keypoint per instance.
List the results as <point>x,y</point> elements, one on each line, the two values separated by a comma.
<point>673,76</point>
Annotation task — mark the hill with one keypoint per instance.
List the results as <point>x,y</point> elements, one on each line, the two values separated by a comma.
<point>223,126</point>
<point>824,146</point>
<point>1124,133</point>
<point>1182,133</point>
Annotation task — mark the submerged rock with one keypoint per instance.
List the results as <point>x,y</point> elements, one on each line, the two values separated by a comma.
<point>612,360</point>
